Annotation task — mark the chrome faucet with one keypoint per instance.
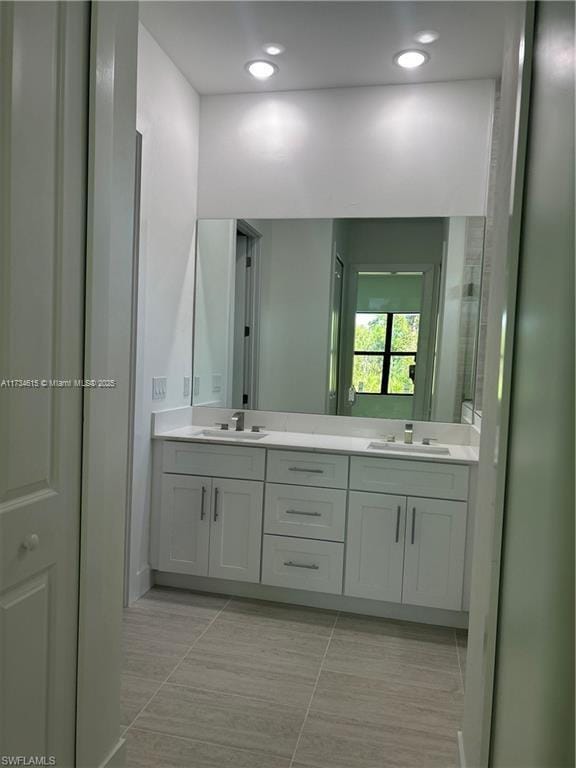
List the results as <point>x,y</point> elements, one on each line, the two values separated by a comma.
<point>238,419</point>
<point>408,434</point>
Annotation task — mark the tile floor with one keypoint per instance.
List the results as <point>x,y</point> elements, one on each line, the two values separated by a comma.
<point>212,682</point>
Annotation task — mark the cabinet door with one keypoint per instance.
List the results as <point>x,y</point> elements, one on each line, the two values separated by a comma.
<point>236,529</point>
<point>375,546</point>
<point>185,524</point>
<point>434,560</point>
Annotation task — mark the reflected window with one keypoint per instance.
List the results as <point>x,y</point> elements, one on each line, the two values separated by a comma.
<point>385,348</point>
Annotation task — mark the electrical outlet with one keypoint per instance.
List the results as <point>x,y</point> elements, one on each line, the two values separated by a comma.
<point>196,385</point>
<point>159,384</point>
<point>216,382</point>
<point>186,386</point>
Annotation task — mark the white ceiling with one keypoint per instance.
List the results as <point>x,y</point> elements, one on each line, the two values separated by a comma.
<point>328,44</point>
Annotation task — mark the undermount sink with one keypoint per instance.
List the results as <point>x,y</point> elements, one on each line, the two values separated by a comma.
<point>438,450</point>
<point>230,434</point>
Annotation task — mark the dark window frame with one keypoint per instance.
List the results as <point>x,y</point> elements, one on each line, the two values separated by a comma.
<point>387,354</point>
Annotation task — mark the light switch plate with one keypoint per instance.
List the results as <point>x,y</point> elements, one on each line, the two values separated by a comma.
<point>196,385</point>
<point>159,384</point>
<point>186,392</point>
<point>216,382</point>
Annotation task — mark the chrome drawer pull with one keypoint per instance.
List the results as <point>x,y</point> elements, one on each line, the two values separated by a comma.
<point>292,564</point>
<point>216,504</point>
<point>306,514</point>
<point>413,523</point>
<point>308,471</point>
<point>398,524</point>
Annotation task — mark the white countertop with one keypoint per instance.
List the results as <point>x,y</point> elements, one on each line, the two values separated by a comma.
<point>459,454</point>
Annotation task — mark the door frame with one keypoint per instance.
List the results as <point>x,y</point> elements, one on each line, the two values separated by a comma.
<point>133,361</point>
<point>108,312</point>
<point>253,252</point>
<point>337,258</point>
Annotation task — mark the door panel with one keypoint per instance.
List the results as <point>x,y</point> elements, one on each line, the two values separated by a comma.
<point>185,533</point>
<point>25,631</point>
<point>434,561</point>
<point>236,530</point>
<point>375,551</point>
<point>43,143</point>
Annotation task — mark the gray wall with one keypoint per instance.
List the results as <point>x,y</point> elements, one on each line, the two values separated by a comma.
<point>533,716</point>
<point>296,258</point>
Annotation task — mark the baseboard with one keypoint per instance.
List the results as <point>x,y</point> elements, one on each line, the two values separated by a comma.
<point>438,616</point>
<point>117,757</point>
<point>461,753</point>
<point>141,583</point>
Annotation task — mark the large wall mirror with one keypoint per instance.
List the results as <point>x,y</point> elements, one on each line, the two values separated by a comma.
<point>354,317</point>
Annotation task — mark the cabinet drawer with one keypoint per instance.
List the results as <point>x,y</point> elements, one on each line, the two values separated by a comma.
<point>302,564</point>
<point>303,468</point>
<point>239,461</point>
<point>409,478</point>
<point>314,513</point>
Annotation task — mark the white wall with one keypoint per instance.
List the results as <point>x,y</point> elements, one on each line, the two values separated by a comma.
<point>445,405</point>
<point>402,150</point>
<point>214,320</point>
<point>168,118</point>
<point>295,315</point>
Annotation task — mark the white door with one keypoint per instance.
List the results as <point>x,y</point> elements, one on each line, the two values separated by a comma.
<point>43,143</point>
<point>236,531</point>
<point>185,529</point>
<point>375,546</point>
<point>434,561</point>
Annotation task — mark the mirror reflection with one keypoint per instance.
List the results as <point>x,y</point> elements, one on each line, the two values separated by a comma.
<point>354,317</point>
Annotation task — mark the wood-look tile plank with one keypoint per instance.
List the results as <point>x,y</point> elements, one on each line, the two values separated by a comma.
<point>270,615</point>
<point>413,662</point>
<point>333,742</point>
<point>234,657</point>
<point>390,701</point>
<point>170,629</point>
<point>230,721</point>
<point>135,693</point>
<point>146,749</point>
<point>164,601</point>
<point>377,630</point>
<point>148,656</point>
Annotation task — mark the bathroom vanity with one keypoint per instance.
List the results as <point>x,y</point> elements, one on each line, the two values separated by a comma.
<point>315,518</point>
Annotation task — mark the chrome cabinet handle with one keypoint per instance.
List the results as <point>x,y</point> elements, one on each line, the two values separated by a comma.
<point>398,511</point>
<point>292,564</point>
<point>305,514</point>
<point>308,471</point>
<point>202,510</point>
<point>413,522</point>
<point>216,504</point>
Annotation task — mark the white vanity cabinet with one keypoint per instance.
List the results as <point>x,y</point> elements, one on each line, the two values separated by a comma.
<point>185,530</point>
<point>404,548</point>
<point>375,551</point>
<point>236,529</point>
<point>434,553</point>
<point>211,526</point>
<point>361,526</point>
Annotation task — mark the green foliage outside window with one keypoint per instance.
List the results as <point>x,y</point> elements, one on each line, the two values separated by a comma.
<point>371,336</point>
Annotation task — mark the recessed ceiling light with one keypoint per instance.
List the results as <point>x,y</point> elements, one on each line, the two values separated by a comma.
<point>274,49</point>
<point>427,36</point>
<point>411,59</point>
<point>261,70</point>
